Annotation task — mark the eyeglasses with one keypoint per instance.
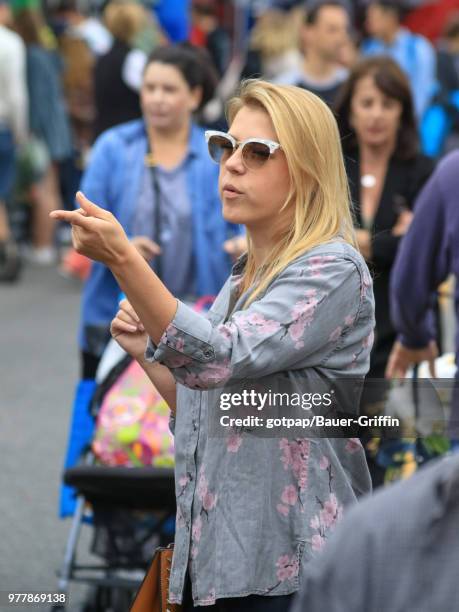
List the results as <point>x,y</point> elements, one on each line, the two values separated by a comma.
<point>255,151</point>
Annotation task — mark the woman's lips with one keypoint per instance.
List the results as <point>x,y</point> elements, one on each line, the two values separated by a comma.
<point>229,191</point>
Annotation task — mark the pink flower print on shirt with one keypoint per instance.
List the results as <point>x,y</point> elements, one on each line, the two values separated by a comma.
<point>296,331</point>
<point>184,480</point>
<point>302,315</point>
<point>254,322</point>
<point>194,552</point>
<point>226,330</point>
<point>368,341</point>
<point>315,523</point>
<point>196,530</point>
<point>317,542</point>
<point>349,320</point>
<point>209,501</point>
<point>233,442</point>
<point>284,510</point>
<point>289,495</point>
<point>212,373</point>
<point>287,567</point>
<point>336,333</point>
<point>202,486</point>
<point>324,463</point>
<point>207,498</point>
<point>366,284</point>
<point>329,513</point>
<point>353,445</point>
<point>295,457</point>
<point>315,264</point>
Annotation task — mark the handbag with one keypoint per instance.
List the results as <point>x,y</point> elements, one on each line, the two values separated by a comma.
<point>153,592</point>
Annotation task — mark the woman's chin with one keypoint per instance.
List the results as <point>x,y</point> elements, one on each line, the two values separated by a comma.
<point>232,213</point>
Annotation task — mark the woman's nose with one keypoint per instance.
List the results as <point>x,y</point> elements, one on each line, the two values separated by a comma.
<point>377,110</point>
<point>234,162</point>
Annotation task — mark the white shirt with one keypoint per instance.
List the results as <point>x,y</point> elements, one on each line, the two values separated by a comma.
<point>13,84</point>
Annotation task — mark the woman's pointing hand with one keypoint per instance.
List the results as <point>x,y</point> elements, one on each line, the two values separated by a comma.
<point>95,232</point>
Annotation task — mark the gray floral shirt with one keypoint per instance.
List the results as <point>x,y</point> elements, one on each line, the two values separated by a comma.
<point>252,510</point>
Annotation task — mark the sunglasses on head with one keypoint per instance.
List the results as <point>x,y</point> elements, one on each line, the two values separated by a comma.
<point>254,151</point>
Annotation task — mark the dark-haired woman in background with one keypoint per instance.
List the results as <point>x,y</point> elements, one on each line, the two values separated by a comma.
<point>154,174</point>
<point>386,172</point>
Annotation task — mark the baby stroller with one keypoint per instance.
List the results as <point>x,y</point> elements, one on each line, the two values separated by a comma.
<point>131,510</point>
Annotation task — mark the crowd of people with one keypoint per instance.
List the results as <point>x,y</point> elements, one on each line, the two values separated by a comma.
<point>71,63</point>
<point>115,101</point>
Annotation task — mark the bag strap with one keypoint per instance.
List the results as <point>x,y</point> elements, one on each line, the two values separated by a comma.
<point>151,163</point>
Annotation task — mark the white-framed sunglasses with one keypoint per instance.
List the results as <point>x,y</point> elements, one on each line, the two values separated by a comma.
<point>254,151</point>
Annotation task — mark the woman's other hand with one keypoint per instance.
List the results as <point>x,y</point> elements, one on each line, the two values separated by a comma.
<point>95,232</point>
<point>128,331</point>
<point>364,242</point>
<point>403,223</point>
<point>146,247</point>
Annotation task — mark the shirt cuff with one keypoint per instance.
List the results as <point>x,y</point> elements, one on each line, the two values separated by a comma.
<point>186,339</point>
<point>419,343</point>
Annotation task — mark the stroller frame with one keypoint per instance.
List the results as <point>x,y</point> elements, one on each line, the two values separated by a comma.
<point>146,489</point>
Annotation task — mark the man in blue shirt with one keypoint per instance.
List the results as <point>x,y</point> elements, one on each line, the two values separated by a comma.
<point>413,52</point>
<point>428,253</point>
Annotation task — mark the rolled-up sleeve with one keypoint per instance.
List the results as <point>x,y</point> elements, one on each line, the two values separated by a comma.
<point>301,318</point>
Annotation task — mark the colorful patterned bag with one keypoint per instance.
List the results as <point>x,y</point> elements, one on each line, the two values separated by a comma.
<point>132,427</point>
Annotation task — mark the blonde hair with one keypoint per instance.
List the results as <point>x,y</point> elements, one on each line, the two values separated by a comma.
<point>319,191</point>
<point>274,34</point>
<point>125,19</point>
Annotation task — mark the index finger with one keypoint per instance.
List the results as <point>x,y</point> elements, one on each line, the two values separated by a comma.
<point>127,307</point>
<point>75,217</point>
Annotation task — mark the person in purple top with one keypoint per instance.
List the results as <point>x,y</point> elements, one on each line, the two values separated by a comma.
<point>429,252</point>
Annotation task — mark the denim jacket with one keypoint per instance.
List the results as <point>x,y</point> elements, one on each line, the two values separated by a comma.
<point>113,180</point>
<point>251,510</point>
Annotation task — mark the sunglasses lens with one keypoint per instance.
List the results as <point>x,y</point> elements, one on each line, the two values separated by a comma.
<point>255,154</point>
<point>220,148</point>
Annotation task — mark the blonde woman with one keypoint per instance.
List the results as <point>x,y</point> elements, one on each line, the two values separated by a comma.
<point>297,309</point>
<point>274,45</point>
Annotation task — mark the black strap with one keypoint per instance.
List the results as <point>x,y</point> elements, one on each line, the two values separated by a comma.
<point>157,218</point>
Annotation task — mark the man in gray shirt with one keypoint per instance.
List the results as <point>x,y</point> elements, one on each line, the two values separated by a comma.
<point>394,552</point>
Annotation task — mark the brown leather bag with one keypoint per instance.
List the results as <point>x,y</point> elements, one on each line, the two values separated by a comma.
<point>153,592</point>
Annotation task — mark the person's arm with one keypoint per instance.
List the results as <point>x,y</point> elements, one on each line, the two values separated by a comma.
<point>17,91</point>
<point>164,382</point>
<point>300,318</point>
<point>420,267</point>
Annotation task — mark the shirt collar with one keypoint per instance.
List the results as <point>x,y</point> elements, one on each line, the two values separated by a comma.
<point>239,266</point>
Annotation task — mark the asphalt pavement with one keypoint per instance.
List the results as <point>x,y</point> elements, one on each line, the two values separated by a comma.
<point>38,373</point>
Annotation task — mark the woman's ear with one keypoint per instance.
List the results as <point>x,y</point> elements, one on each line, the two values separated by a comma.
<point>196,98</point>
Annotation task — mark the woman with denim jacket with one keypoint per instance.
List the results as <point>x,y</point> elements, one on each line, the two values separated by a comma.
<point>256,501</point>
<point>155,176</point>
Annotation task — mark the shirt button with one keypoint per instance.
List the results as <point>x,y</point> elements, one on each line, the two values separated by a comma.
<point>208,353</point>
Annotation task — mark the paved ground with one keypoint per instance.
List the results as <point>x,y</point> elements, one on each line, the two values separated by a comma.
<point>38,371</point>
